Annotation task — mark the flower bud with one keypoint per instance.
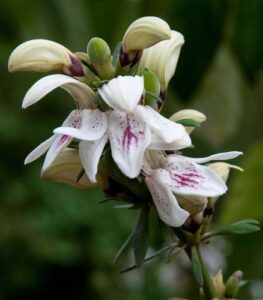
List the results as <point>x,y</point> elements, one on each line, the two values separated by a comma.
<point>98,51</point>
<point>162,58</point>
<point>223,169</point>
<point>143,33</point>
<point>192,204</point>
<point>152,88</point>
<point>44,56</point>
<point>219,283</point>
<point>66,169</point>
<point>188,114</point>
<point>233,283</point>
<point>100,57</point>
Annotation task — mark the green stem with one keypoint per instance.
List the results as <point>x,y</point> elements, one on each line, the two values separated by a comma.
<point>209,287</point>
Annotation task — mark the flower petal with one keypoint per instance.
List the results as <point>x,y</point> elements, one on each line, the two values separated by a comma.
<point>162,58</point>
<point>39,150</point>
<point>218,156</point>
<point>62,141</point>
<point>39,55</point>
<point>123,93</point>
<point>66,169</point>
<point>165,201</point>
<point>81,92</point>
<point>166,134</point>
<point>93,126</point>
<point>185,177</point>
<point>90,153</point>
<point>129,137</point>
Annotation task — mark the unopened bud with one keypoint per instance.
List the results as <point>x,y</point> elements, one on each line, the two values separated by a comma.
<point>141,34</point>
<point>66,168</point>
<point>192,114</point>
<point>100,57</point>
<point>162,58</point>
<point>223,169</point>
<point>43,56</point>
<point>219,283</point>
<point>152,88</point>
<point>98,51</point>
<point>233,283</point>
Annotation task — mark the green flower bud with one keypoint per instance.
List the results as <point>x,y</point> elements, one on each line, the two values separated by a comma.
<point>98,51</point>
<point>99,55</point>
<point>152,88</point>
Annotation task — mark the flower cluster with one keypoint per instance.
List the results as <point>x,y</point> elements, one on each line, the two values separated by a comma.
<point>116,137</point>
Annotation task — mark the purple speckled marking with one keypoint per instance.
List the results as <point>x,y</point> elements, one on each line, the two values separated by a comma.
<point>130,137</point>
<point>189,177</point>
<point>75,123</point>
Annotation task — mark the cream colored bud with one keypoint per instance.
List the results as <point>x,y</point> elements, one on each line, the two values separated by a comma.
<point>188,114</point>
<point>66,169</point>
<point>145,32</point>
<point>223,169</point>
<point>162,58</point>
<point>192,204</point>
<point>219,283</point>
<point>43,56</point>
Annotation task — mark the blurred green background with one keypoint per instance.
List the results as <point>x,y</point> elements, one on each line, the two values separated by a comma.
<point>58,242</point>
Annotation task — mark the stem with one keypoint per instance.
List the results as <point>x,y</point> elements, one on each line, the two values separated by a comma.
<point>209,287</point>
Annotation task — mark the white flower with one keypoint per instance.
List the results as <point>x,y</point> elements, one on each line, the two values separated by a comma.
<point>183,176</point>
<point>145,32</point>
<point>162,58</point>
<point>43,56</point>
<point>131,129</point>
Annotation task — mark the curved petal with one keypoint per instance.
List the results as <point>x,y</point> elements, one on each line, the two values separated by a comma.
<point>93,126</point>
<point>162,58</point>
<point>62,141</point>
<point>129,137</point>
<point>185,177</point>
<point>165,201</point>
<point>166,134</point>
<point>81,92</point>
<point>218,156</point>
<point>39,150</point>
<point>39,55</point>
<point>90,153</point>
<point>123,93</point>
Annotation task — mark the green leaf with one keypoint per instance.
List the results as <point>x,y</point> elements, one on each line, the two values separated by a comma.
<point>241,227</point>
<point>197,267</point>
<point>123,247</point>
<point>141,236</point>
<point>189,122</point>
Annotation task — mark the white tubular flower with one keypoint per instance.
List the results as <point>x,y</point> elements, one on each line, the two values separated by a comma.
<point>131,129</point>
<point>83,96</point>
<point>66,169</point>
<point>162,58</point>
<point>43,56</point>
<point>183,176</point>
<point>188,114</point>
<point>145,32</point>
